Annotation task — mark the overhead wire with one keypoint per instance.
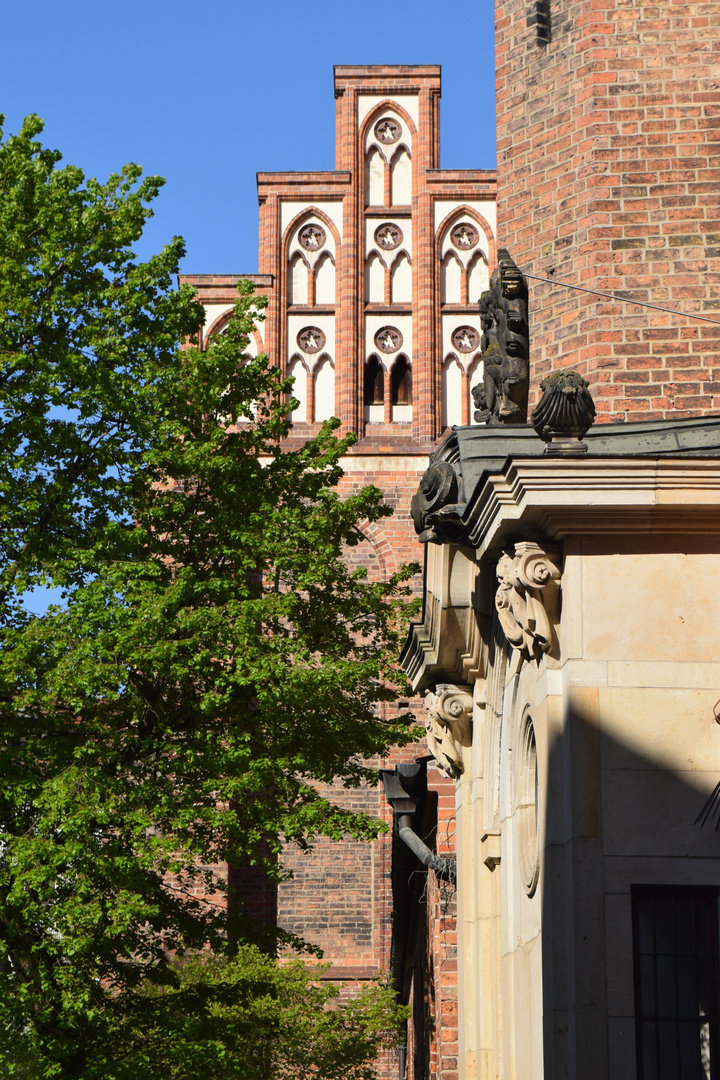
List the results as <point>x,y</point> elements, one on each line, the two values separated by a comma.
<point>621,299</point>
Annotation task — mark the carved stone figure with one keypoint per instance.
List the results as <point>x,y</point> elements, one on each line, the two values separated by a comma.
<point>448,723</point>
<point>503,396</point>
<point>526,599</point>
<point>564,413</point>
<point>435,510</point>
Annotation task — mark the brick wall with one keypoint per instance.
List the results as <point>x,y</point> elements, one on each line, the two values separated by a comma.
<point>609,178</point>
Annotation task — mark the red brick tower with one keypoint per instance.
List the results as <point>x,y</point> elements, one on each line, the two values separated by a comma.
<point>608,178</point>
<point>373,272</point>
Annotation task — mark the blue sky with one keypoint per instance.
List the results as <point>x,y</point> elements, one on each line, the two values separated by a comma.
<point>207,96</point>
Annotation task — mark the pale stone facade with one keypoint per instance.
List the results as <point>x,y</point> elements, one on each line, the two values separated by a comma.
<point>578,603</point>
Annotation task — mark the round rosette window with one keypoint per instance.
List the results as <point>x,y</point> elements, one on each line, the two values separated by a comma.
<point>464,236</point>
<point>388,339</point>
<point>387,130</point>
<point>465,339</point>
<point>311,339</point>
<point>527,806</point>
<point>312,237</point>
<point>388,236</point>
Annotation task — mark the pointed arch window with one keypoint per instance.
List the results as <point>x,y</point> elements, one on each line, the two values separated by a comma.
<point>374,382</point>
<point>401,382</point>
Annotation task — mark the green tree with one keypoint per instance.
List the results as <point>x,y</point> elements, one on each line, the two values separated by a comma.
<point>214,656</point>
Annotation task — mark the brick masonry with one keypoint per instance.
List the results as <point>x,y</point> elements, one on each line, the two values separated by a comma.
<point>609,178</point>
<point>340,896</point>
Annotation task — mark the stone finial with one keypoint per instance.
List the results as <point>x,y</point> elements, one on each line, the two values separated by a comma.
<point>503,396</point>
<point>448,723</point>
<point>564,413</point>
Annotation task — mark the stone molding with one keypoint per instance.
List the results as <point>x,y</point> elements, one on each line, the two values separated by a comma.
<point>559,498</point>
<point>448,724</point>
<point>529,581</point>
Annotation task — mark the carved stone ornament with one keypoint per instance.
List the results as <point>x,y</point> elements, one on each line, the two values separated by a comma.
<point>448,724</point>
<point>311,339</point>
<point>464,236</point>
<point>526,599</point>
<point>388,339</point>
<point>312,237</point>
<point>465,339</point>
<point>564,413</point>
<point>387,130</point>
<point>503,396</point>
<point>388,236</point>
<point>435,509</point>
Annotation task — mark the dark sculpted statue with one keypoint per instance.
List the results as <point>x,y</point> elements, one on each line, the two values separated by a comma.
<point>503,396</point>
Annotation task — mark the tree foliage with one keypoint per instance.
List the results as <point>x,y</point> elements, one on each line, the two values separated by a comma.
<point>244,1018</point>
<point>214,655</point>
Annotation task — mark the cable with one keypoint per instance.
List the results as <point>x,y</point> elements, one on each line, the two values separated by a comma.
<point>621,299</point>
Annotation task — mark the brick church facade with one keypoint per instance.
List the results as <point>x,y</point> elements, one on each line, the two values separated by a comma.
<point>607,182</point>
<point>373,273</point>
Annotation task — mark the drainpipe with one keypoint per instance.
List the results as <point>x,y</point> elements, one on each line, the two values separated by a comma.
<point>404,807</point>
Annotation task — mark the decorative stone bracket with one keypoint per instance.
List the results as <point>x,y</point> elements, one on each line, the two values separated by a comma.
<point>527,598</point>
<point>448,724</point>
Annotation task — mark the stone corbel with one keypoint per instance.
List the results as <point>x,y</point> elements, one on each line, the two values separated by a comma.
<point>527,598</point>
<point>448,724</point>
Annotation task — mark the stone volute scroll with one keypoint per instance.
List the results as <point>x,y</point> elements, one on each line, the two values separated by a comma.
<point>527,598</point>
<point>502,398</point>
<point>435,508</point>
<point>448,723</point>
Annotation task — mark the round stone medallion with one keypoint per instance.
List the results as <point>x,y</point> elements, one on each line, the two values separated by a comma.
<point>388,236</point>
<point>387,130</point>
<point>311,339</point>
<point>465,339</point>
<point>312,237</point>
<point>464,236</point>
<point>388,339</point>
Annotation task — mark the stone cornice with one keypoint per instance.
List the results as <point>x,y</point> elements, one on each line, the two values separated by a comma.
<point>562,497</point>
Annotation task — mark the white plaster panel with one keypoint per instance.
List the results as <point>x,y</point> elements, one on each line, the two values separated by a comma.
<point>325,281</point>
<point>449,324</point>
<point>326,323</point>
<point>401,186</point>
<point>401,414</point>
<point>324,391</point>
<point>297,371</point>
<point>375,414</point>
<point>332,209</point>
<point>409,102</point>
<point>402,322</point>
<point>401,281</point>
<point>213,312</point>
<point>392,463</point>
<point>375,280</point>
<point>486,207</point>
<point>405,227</point>
<point>451,394</point>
